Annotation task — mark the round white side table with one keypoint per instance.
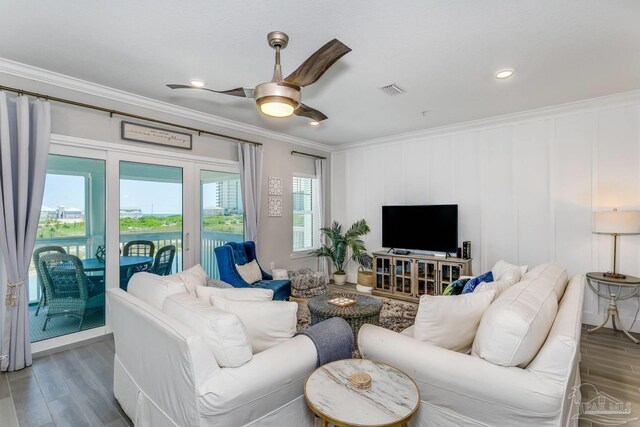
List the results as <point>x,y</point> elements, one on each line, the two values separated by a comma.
<point>626,288</point>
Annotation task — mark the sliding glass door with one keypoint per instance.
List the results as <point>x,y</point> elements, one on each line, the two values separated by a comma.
<point>221,215</point>
<point>151,219</point>
<point>71,226</point>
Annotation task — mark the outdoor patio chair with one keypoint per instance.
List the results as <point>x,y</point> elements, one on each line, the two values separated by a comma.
<point>36,263</point>
<point>67,287</point>
<point>163,263</point>
<point>139,248</point>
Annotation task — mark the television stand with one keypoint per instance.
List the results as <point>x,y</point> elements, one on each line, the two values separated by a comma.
<point>407,277</point>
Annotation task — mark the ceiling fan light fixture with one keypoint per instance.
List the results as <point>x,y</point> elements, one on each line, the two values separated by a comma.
<point>276,106</point>
<point>277,99</point>
<point>197,83</point>
<point>504,74</point>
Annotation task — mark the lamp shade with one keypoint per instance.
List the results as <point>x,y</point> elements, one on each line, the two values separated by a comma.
<point>616,222</point>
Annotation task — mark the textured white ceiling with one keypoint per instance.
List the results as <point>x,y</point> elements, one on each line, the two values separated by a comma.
<point>443,53</point>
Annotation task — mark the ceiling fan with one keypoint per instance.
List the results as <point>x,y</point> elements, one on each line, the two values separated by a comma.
<point>281,97</point>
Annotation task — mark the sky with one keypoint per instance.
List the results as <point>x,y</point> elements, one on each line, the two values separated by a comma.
<point>151,197</point>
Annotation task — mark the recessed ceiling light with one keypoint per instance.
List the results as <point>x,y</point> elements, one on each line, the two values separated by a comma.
<point>314,123</point>
<point>197,83</point>
<point>504,74</point>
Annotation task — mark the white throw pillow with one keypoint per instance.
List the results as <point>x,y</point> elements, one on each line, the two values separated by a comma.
<point>223,332</point>
<point>250,272</point>
<point>516,325</point>
<point>499,286</point>
<point>505,271</point>
<point>268,322</point>
<point>194,276</point>
<point>234,294</point>
<point>451,322</point>
<point>154,289</point>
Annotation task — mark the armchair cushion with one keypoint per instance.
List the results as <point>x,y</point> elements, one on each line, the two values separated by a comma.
<point>268,323</point>
<point>281,288</point>
<point>239,253</point>
<point>192,277</point>
<point>250,272</point>
<point>154,289</point>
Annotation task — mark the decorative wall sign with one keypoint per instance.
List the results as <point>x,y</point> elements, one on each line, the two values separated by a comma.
<point>275,206</point>
<point>153,135</point>
<point>275,186</point>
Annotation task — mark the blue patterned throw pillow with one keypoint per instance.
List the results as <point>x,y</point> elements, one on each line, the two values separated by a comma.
<point>471,284</point>
<point>455,288</point>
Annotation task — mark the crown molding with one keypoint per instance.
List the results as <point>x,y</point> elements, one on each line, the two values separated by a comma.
<point>544,113</point>
<point>41,75</point>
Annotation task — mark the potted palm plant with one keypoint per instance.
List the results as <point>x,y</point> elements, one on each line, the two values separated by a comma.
<point>344,248</point>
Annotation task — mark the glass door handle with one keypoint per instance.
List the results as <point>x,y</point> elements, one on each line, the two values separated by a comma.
<point>186,241</point>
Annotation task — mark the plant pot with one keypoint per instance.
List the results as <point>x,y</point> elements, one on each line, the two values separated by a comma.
<point>364,289</point>
<point>339,279</point>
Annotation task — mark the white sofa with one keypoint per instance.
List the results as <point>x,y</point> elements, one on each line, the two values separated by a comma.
<point>164,374</point>
<point>466,390</point>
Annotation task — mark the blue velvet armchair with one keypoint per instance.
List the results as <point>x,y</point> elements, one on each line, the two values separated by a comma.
<point>240,253</point>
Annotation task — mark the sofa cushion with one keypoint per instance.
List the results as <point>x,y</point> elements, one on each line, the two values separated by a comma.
<point>499,286</point>
<point>154,289</point>
<point>516,325</point>
<point>451,322</point>
<point>552,272</point>
<point>204,293</point>
<point>192,277</point>
<point>250,272</point>
<point>502,270</point>
<point>268,322</point>
<point>470,286</point>
<point>224,333</point>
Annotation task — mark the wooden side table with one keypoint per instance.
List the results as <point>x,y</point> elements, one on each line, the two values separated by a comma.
<point>631,287</point>
<point>391,400</point>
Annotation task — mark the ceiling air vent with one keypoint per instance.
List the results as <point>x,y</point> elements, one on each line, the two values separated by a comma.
<point>392,90</point>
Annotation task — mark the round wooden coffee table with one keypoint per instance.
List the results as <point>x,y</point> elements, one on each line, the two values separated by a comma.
<point>391,400</point>
<point>365,310</point>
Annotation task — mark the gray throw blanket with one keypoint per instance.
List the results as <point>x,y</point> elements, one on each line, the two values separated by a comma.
<point>333,339</point>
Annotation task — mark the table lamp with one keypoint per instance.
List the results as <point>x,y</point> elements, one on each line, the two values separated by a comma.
<point>616,223</point>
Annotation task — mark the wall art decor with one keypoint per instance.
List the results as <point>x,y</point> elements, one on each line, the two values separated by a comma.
<point>153,135</point>
<point>275,186</point>
<point>275,206</point>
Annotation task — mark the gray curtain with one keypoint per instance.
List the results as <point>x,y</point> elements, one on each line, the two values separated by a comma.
<point>321,168</point>
<point>250,158</point>
<point>25,130</point>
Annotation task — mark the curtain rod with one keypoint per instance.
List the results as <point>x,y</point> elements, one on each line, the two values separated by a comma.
<point>122,113</point>
<point>308,155</point>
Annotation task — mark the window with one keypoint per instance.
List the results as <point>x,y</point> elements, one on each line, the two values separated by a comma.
<point>305,214</point>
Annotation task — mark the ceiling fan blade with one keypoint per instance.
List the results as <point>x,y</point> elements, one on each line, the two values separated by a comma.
<point>312,113</point>
<point>316,65</point>
<point>239,91</point>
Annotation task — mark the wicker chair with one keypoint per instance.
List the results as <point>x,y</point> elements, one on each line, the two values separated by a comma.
<point>36,263</point>
<point>139,248</point>
<point>163,263</point>
<point>67,287</point>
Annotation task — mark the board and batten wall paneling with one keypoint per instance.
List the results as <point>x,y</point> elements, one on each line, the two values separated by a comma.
<point>526,189</point>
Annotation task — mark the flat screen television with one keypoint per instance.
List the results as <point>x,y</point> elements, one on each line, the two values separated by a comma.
<point>422,227</point>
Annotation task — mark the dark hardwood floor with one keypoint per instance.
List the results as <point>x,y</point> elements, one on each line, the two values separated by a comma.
<point>75,387</point>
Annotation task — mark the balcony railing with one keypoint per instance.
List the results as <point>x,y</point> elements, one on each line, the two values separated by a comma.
<point>84,247</point>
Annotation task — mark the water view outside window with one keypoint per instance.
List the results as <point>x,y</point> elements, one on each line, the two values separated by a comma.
<point>72,224</point>
<point>150,217</point>
<point>303,213</point>
<point>221,213</point>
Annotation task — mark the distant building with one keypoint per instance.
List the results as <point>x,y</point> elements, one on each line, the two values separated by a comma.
<point>68,213</point>
<point>229,197</point>
<point>47,213</point>
<point>212,211</point>
<point>130,212</point>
